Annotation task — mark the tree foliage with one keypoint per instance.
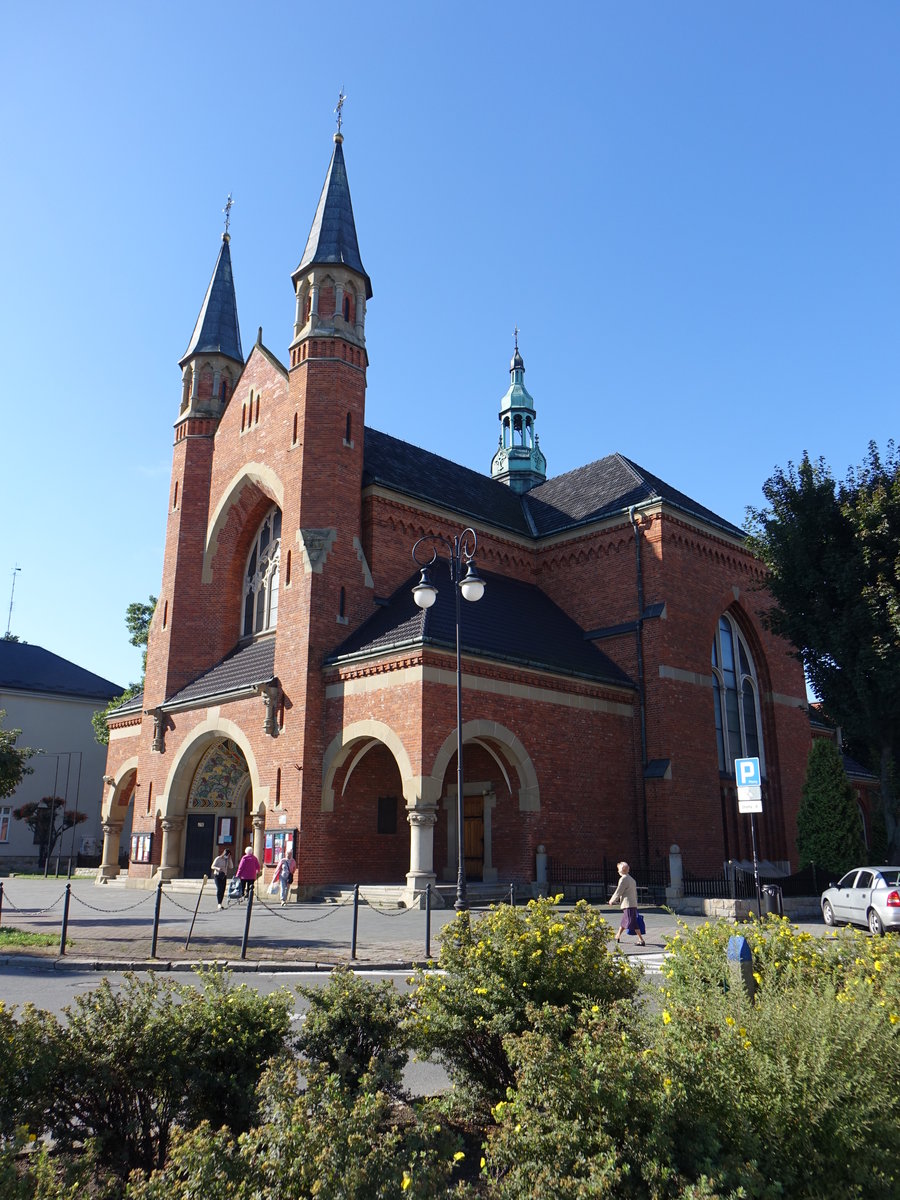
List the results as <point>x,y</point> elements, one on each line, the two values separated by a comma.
<point>829,832</point>
<point>137,620</point>
<point>48,819</point>
<point>833,553</point>
<point>13,759</point>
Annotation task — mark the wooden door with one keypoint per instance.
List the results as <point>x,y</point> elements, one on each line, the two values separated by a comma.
<point>473,836</point>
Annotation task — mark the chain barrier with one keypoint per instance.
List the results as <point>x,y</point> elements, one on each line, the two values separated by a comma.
<point>276,912</point>
<point>32,912</point>
<point>394,910</point>
<point>127,908</point>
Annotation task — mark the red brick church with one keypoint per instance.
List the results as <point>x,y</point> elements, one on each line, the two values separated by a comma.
<point>296,695</point>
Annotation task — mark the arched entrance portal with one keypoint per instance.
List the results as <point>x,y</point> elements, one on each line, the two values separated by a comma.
<point>217,812</point>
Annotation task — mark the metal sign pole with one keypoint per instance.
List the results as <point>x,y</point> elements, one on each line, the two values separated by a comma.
<point>755,866</point>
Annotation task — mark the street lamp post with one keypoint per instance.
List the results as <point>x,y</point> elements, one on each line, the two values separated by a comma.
<point>460,553</point>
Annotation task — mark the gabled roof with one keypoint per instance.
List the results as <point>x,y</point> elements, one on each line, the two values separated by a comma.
<point>25,668</point>
<point>237,673</point>
<point>217,330</point>
<point>332,238</point>
<point>513,622</point>
<point>601,489</point>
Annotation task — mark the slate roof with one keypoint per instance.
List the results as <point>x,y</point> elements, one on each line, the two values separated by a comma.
<point>600,489</point>
<point>26,668</point>
<point>237,672</point>
<point>217,330</point>
<point>514,622</point>
<point>332,238</point>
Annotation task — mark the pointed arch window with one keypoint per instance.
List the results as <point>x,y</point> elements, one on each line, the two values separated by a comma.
<point>261,576</point>
<point>736,697</point>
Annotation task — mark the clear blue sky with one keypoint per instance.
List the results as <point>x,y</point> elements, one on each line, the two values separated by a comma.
<point>691,210</point>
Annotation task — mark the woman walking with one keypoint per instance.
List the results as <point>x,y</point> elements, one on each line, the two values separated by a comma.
<point>626,893</point>
<point>248,869</point>
<point>222,869</point>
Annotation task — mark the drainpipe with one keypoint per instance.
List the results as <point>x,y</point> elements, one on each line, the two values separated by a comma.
<point>639,643</point>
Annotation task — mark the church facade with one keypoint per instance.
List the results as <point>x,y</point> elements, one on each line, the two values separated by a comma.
<point>297,697</point>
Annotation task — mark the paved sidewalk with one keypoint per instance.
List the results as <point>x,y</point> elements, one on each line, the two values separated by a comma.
<point>110,928</point>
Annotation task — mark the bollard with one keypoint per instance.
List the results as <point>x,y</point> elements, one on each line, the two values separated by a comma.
<point>65,920</point>
<point>246,936</point>
<point>355,920</point>
<point>427,918</point>
<point>1,899</point>
<point>740,965</point>
<point>512,895</point>
<point>187,940</point>
<point>156,919</point>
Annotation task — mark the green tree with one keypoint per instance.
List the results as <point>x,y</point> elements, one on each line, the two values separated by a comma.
<point>833,554</point>
<point>13,759</point>
<point>48,819</point>
<point>137,620</point>
<point>829,832</point>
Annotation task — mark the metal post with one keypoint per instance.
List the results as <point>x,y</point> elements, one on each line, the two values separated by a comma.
<point>427,917</point>
<point>461,900</point>
<point>512,895</point>
<point>187,940</point>
<point>65,920</point>
<point>1,899</point>
<point>355,920</point>
<point>156,920</point>
<point>246,936</point>
<point>75,818</point>
<point>755,865</point>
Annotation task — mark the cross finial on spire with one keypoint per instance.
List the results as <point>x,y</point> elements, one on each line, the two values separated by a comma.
<point>227,211</point>
<point>516,336</point>
<point>339,107</point>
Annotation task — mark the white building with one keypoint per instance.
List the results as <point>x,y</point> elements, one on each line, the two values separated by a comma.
<point>52,701</point>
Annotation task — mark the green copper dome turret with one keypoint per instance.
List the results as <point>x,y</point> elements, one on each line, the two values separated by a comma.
<point>518,462</point>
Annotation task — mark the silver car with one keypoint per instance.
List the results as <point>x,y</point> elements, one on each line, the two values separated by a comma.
<point>865,896</point>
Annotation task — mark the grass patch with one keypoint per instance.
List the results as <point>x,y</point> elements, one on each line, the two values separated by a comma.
<point>21,937</point>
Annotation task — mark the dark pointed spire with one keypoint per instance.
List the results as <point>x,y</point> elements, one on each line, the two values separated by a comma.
<point>217,330</point>
<point>332,238</point>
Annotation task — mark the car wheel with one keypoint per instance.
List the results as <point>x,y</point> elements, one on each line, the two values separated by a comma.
<point>876,925</point>
<point>828,914</point>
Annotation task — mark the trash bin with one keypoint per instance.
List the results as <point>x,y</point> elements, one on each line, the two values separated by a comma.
<point>771,900</point>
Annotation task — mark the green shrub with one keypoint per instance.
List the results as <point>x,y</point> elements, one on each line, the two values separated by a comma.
<point>328,1143</point>
<point>127,1066</point>
<point>356,1028</point>
<point>496,969</point>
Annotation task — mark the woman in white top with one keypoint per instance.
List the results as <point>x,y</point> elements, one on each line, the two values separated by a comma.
<point>626,892</point>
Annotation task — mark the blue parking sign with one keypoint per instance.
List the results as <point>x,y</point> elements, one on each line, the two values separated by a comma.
<point>746,772</point>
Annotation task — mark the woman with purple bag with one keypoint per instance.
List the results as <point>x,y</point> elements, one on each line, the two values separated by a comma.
<point>626,894</point>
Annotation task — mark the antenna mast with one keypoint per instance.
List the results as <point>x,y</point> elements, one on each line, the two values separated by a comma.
<point>11,595</point>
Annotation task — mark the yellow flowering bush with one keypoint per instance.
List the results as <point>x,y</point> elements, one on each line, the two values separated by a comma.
<point>496,967</point>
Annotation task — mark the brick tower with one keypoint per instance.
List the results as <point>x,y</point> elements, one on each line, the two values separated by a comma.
<point>331,587</point>
<point>179,646</point>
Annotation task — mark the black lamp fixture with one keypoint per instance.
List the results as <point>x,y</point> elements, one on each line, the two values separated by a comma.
<point>460,553</point>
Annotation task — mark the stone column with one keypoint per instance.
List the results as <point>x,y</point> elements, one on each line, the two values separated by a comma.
<point>109,863</point>
<point>675,890</point>
<point>338,299</point>
<point>488,870</point>
<point>170,855</point>
<point>421,848</point>
<point>259,839</point>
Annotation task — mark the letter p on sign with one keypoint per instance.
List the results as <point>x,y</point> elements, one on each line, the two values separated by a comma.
<point>746,771</point>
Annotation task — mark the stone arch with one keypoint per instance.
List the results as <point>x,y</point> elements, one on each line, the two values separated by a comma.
<point>489,734</point>
<point>173,802</point>
<point>250,475</point>
<point>364,732</point>
<point>122,788</point>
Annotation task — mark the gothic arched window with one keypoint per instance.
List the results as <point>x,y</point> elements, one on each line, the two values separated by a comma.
<point>261,577</point>
<point>736,697</point>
